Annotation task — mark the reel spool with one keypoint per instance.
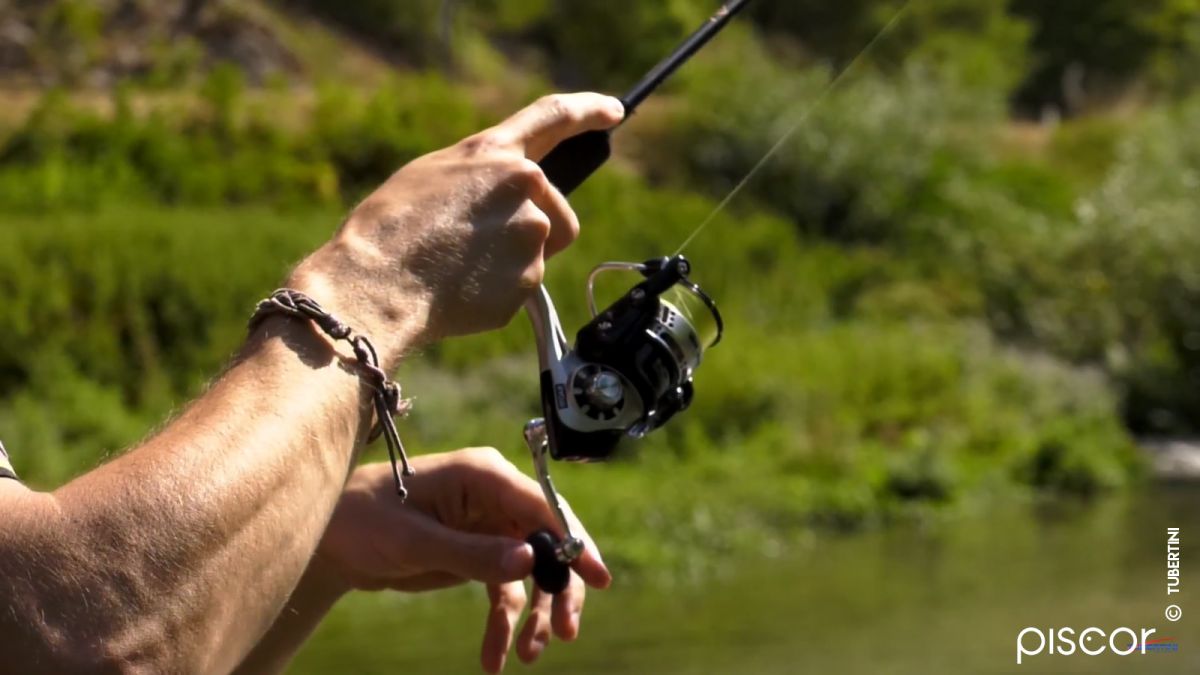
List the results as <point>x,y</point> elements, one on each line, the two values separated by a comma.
<point>629,373</point>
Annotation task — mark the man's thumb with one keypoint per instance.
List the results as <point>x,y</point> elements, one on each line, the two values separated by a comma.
<point>492,560</point>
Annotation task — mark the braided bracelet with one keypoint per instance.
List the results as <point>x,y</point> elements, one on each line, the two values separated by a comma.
<point>386,396</point>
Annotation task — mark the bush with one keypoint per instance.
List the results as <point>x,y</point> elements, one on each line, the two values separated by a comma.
<point>1139,243</point>
<point>1111,45</point>
<point>866,159</point>
<point>232,147</point>
<point>414,28</point>
<point>980,40</point>
<point>1095,275</point>
<point>857,411</point>
<point>1112,283</point>
<point>856,381</point>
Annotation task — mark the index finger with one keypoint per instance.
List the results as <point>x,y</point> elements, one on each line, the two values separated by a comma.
<point>553,119</point>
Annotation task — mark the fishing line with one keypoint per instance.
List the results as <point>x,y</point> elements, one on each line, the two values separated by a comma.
<point>737,189</point>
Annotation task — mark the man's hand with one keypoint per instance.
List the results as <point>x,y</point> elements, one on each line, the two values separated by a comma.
<point>465,519</point>
<point>455,241</point>
<point>187,548</point>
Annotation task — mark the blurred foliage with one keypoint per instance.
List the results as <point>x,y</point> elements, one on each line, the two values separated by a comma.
<point>870,151</point>
<point>980,39</point>
<point>117,317</point>
<point>1108,44</point>
<point>227,147</point>
<point>911,161</point>
<point>922,310</point>
<point>99,43</point>
<point>1069,54</point>
<point>1137,250</point>
<point>417,28</point>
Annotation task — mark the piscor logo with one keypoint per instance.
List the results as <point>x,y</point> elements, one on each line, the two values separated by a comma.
<point>1090,641</point>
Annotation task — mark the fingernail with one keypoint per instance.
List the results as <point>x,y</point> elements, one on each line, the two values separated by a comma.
<point>617,106</point>
<point>516,561</point>
<point>575,622</point>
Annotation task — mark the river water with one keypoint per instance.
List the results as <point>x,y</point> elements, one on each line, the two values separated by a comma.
<point>944,598</point>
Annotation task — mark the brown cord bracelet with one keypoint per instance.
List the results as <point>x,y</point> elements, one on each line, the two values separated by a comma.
<point>386,392</point>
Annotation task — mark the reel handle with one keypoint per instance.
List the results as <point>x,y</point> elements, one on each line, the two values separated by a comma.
<point>552,556</point>
<point>550,573</point>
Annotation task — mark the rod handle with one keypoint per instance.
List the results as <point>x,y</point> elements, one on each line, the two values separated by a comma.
<point>572,161</point>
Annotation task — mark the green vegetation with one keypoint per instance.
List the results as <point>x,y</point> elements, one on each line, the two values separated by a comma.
<point>1072,54</point>
<point>928,305</point>
<point>219,147</point>
<point>802,417</point>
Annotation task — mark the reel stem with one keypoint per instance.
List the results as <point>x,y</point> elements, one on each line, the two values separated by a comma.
<point>552,556</point>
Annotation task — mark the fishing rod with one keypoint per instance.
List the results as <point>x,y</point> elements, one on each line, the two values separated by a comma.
<point>571,162</point>
<point>631,367</point>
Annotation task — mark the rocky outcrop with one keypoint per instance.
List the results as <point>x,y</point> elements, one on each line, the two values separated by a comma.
<point>1175,459</point>
<point>94,43</point>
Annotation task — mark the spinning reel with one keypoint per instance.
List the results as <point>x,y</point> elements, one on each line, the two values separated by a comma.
<point>632,365</point>
<point>629,372</point>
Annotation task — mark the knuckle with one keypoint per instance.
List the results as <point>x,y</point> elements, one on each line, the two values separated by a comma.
<point>538,224</point>
<point>555,105</point>
<point>513,598</point>
<point>527,173</point>
<point>480,143</point>
<point>566,109</point>
<point>486,457</point>
<point>533,276</point>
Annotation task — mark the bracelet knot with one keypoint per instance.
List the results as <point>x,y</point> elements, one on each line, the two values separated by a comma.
<point>386,393</point>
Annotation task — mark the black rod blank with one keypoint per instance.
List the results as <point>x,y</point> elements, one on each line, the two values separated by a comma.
<point>569,165</point>
<point>680,56</point>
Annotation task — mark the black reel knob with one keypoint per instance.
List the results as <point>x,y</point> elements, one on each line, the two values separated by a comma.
<point>549,573</point>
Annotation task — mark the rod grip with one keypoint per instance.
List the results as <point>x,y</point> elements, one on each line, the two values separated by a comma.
<point>572,161</point>
<point>549,573</point>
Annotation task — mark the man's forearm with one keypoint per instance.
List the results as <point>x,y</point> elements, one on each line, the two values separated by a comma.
<point>318,591</point>
<point>179,554</point>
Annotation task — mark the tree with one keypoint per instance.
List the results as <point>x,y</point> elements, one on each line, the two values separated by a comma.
<point>1106,45</point>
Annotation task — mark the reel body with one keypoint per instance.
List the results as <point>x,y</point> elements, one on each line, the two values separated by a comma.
<point>630,371</point>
